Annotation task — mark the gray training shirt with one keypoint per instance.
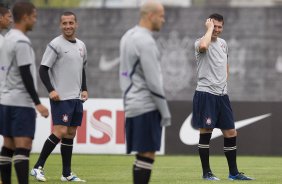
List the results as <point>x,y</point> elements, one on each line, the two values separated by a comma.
<point>2,66</point>
<point>212,67</point>
<point>140,74</point>
<point>17,52</point>
<point>66,61</point>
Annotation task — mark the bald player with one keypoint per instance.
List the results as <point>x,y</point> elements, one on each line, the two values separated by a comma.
<point>145,106</point>
<point>62,72</point>
<point>19,98</point>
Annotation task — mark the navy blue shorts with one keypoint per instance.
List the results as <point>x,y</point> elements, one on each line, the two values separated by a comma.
<point>143,132</point>
<point>212,111</point>
<point>18,121</point>
<point>67,112</point>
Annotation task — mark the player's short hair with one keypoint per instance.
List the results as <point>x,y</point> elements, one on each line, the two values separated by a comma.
<point>217,17</point>
<point>68,13</point>
<point>22,8</point>
<point>3,9</point>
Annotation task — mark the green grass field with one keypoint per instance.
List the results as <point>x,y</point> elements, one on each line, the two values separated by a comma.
<point>116,169</point>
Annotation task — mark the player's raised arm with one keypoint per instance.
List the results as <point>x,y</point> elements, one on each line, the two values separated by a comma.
<point>206,39</point>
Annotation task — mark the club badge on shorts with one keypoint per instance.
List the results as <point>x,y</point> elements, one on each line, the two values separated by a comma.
<point>208,121</point>
<point>65,118</point>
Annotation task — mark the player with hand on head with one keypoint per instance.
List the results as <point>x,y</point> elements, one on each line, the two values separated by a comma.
<point>211,105</point>
<point>63,74</point>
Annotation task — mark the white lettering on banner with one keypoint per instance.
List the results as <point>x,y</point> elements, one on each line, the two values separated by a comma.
<point>190,136</point>
<point>102,129</point>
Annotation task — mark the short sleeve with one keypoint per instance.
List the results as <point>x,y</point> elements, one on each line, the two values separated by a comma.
<point>85,56</point>
<point>50,56</point>
<point>24,53</point>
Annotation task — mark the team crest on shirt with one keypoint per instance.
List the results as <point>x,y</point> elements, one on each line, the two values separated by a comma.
<point>223,46</point>
<point>81,52</point>
<point>208,121</point>
<point>65,118</point>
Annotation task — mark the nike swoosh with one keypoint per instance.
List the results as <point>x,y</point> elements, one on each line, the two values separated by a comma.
<point>105,65</point>
<point>190,136</point>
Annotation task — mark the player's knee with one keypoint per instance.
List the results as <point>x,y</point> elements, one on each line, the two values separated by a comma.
<point>230,133</point>
<point>71,132</point>
<point>60,132</point>
<point>70,135</point>
<point>150,155</point>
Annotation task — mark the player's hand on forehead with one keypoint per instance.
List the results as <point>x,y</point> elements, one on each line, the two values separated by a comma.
<point>209,22</point>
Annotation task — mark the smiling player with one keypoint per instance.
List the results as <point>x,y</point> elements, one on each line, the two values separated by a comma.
<point>211,105</point>
<point>62,72</point>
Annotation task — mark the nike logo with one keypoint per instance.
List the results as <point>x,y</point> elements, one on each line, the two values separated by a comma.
<point>190,136</point>
<point>105,65</point>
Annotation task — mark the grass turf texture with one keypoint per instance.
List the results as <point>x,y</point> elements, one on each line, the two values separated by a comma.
<point>116,169</point>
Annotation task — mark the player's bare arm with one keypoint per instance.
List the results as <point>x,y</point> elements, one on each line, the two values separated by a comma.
<point>84,95</point>
<point>42,110</point>
<point>206,39</point>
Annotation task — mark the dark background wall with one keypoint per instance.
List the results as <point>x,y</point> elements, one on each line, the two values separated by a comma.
<point>253,34</point>
<point>261,137</point>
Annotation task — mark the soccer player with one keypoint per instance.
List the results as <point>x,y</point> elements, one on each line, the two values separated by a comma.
<point>63,74</point>
<point>5,22</point>
<point>19,96</point>
<point>146,108</point>
<point>211,105</point>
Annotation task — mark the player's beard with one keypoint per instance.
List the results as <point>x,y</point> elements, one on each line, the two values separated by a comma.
<point>157,26</point>
<point>29,27</point>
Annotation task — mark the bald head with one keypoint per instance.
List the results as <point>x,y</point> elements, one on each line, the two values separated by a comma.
<point>150,6</point>
<point>152,15</point>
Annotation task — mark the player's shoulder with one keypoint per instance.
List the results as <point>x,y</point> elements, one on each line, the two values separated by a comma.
<point>140,35</point>
<point>144,38</point>
<point>80,42</point>
<point>17,36</point>
<point>57,40</point>
<point>221,40</point>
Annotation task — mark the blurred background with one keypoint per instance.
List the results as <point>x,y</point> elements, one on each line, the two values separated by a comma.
<point>252,30</point>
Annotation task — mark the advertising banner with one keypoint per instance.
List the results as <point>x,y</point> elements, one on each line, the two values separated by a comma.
<point>258,125</point>
<point>101,132</point>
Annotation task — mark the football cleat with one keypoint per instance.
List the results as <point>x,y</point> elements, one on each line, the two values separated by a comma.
<point>210,176</point>
<point>239,176</point>
<point>38,173</point>
<point>72,178</point>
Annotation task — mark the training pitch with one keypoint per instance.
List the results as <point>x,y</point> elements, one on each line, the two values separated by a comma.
<point>117,169</point>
